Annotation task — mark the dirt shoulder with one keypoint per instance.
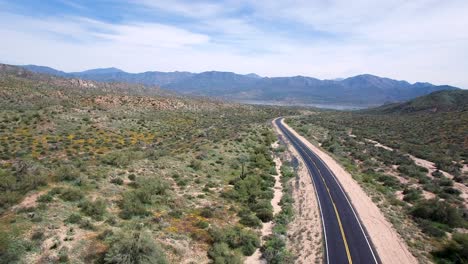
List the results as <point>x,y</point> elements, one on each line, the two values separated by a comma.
<point>390,247</point>
<point>305,231</point>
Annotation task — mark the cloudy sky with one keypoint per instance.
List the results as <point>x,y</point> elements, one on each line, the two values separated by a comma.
<point>414,40</point>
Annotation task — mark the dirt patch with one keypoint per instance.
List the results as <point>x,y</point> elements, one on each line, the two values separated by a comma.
<point>29,201</point>
<point>431,167</point>
<point>278,189</point>
<point>305,231</point>
<point>377,144</point>
<point>390,247</point>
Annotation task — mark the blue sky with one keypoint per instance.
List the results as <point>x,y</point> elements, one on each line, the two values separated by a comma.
<point>417,40</point>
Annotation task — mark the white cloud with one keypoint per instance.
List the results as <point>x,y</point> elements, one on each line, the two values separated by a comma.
<point>419,40</point>
<point>187,8</point>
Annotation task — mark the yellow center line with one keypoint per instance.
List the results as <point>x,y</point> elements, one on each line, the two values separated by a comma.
<point>348,254</point>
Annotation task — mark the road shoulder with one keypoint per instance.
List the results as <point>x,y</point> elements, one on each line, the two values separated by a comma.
<point>390,247</point>
<point>305,231</point>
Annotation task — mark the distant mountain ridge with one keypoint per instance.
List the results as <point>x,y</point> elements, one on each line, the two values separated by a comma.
<point>440,101</point>
<point>360,90</point>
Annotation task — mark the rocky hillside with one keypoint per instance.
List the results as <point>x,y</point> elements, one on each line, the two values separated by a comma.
<point>441,101</point>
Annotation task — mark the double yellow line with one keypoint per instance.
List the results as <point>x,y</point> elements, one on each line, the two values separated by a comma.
<point>348,254</point>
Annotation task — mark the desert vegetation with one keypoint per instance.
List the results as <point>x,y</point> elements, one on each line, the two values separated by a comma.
<point>92,172</point>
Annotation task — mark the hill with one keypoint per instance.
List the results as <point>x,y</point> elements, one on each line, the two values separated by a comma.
<point>440,101</point>
<point>362,90</point>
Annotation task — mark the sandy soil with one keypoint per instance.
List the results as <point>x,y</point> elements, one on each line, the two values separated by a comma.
<point>390,247</point>
<point>29,201</point>
<point>278,189</point>
<point>431,167</point>
<point>305,231</point>
<point>267,228</point>
<point>377,144</point>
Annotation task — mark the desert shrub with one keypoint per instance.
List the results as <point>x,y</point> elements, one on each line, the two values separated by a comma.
<point>388,181</point>
<point>63,255</point>
<point>94,209</point>
<point>74,219</point>
<point>132,177</point>
<point>38,235</point>
<point>287,172</point>
<point>134,248</point>
<point>71,194</point>
<point>196,164</point>
<point>264,214</point>
<point>411,195</point>
<point>220,253</point>
<point>207,212</point>
<point>454,251</point>
<point>437,174</point>
<point>202,224</point>
<point>263,210</point>
<point>249,219</point>
<point>86,224</point>
<point>45,198</point>
<point>432,228</point>
<point>274,250</point>
<point>67,173</point>
<point>117,159</point>
<point>11,248</point>
<point>117,181</point>
<point>132,205</point>
<point>14,185</point>
<point>237,238</point>
<point>413,171</point>
<point>446,182</point>
<point>438,211</point>
<point>152,190</point>
<point>148,191</point>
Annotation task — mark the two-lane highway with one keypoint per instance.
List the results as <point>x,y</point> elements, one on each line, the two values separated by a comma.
<point>346,240</point>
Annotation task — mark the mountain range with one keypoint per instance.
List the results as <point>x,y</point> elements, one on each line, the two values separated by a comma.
<point>360,91</point>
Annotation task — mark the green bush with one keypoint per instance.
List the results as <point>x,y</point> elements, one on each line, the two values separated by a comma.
<point>117,159</point>
<point>71,194</point>
<point>207,212</point>
<point>247,218</point>
<point>274,250</point>
<point>132,205</point>
<point>196,164</point>
<point>11,248</point>
<point>132,177</point>
<point>438,211</point>
<point>117,181</point>
<point>412,195</point>
<point>220,253</point>
<point>45,198</point>
<point>432,228</point>
<point>74,219</point>
<point>67,173</point>
<point>134,248</point>
<point>237,238</point>
<point>454,251</point>
<point>264,214</point>
<point>94,209</point>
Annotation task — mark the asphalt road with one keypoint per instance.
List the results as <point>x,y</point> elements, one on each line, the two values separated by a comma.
<point>346,240</point>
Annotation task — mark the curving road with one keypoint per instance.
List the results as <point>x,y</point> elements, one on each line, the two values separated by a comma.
<point>346,240</point>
